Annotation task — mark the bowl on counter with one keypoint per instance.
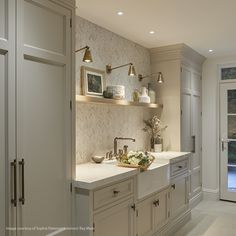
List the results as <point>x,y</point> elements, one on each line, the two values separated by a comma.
<point>98,159</point>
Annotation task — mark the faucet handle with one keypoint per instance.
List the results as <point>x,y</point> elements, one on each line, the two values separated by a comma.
<point>120,152</point>
<point>125,149</point>
<point>107,155</point>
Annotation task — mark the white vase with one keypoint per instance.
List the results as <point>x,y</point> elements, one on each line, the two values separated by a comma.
<point>144,98</point>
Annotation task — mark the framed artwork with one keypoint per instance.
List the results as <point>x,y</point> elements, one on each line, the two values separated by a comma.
<point>93,81</point>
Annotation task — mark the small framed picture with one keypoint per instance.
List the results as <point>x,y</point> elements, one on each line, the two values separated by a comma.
<point>93,81</point>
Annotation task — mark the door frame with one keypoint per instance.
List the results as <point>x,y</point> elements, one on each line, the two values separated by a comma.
<point>218,130</point>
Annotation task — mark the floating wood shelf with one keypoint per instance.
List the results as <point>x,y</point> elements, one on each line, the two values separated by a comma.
<point>101,100</point>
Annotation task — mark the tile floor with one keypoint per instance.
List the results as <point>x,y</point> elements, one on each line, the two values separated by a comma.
<point>211,218</point>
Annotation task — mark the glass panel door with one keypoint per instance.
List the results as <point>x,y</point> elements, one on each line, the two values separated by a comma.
<point>228,141</point>
<point>231,94</point>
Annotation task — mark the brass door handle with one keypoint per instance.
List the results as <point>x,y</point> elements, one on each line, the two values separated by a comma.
<point>22,198</point>
<point>14,198</point>
<point>194,144</point>
<point>223,144</point>
<point>173,186</point>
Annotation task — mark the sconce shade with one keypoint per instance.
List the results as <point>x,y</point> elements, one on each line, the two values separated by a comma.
<point>160,78</point>
<point>87,56</point>
<point>131,70</point>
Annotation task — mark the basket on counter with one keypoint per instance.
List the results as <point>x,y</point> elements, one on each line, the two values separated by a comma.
<point>143,167</point>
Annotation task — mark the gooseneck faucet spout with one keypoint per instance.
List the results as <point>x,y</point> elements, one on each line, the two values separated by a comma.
<point>115,143</point>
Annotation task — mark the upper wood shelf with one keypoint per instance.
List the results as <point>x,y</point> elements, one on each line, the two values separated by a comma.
<point>100,100</point>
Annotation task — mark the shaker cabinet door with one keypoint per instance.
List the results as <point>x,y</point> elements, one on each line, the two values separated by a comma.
<point>44,117</point>
<point>115,221</point>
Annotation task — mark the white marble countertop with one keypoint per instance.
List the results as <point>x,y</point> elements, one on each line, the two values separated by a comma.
<point>91,175</point>
<point>171,157</point>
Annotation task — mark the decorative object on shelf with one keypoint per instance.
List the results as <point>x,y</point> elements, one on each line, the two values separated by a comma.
<point>107,94</point>
<point>144,98</point>
<point>133,159</point>
<point>155,128</point>
<point>159,79</point>
<point>87,54</point>
<point>131,71</point>
<point>98,159</point>
<point>151,94</point>
<point>92,81</point>
<point>117,91</point>
<point>136,95</point>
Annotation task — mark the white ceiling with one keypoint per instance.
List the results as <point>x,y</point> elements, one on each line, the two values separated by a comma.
<point>201,24</point>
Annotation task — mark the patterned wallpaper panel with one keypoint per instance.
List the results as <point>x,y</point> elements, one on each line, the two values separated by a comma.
<point>97,125</point>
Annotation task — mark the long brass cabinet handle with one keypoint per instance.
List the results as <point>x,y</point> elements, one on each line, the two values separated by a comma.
<point>194,144</point>
<point>14,197</point>
<point>22,165</point>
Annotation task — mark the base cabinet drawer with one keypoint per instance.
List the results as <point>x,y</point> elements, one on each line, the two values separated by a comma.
<point>113,193</point>
<point>179,167</point>
<point>115,221</point>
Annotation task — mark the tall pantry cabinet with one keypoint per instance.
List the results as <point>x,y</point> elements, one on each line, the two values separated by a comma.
<point>36,44</point>
<point>181,96</point>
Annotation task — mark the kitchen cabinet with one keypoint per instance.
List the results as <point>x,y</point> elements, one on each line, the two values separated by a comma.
<point>179,191</point>
<point>116,221</point>
<point>108,210</point>
<point>179,196</point>
<point>161,205</point>
<point>35,82</point>
<point>191,125</point>
<point>110,204</point>
<point>152,213</point>
<point>145,217</point>
<point>7,116</point>
<point>181,96</point>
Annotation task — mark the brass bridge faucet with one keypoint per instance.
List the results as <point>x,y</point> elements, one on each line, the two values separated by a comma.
<point>115,143</point>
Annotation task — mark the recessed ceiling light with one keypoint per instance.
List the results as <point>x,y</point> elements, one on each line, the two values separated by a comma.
<point>151,32</point>
<point>120,13</point>
<point>210,50</point>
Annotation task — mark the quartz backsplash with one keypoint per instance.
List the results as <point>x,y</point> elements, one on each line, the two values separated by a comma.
<point>97,125</point>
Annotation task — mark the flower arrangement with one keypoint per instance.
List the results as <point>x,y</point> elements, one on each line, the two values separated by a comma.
<point>155,128</point>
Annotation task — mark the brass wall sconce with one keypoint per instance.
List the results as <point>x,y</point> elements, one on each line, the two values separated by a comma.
<point>131,71</point>
<point>87,54</point>
<point>159,79</point>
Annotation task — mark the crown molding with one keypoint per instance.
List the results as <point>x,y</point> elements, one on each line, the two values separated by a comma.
<point>176,52</point>
<point>66,3</point>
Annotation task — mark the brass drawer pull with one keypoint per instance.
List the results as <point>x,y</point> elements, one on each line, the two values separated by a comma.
<point>116,192</point>
<point>156,203</point>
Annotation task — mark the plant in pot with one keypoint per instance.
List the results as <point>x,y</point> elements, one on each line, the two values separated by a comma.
<point>155,128</point>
